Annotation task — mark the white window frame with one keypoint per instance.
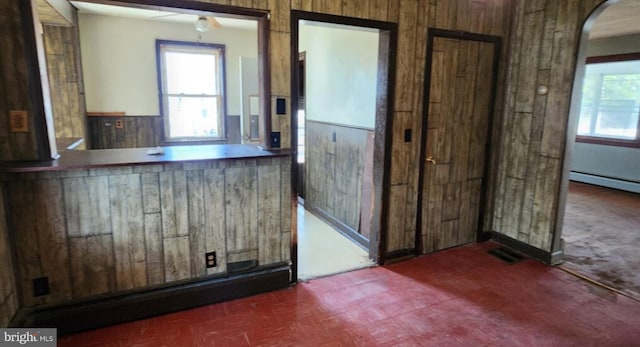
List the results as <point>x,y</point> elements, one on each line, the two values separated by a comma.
<point>165,46</point>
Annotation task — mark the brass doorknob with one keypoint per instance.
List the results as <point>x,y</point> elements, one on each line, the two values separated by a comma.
<point>431,160</point>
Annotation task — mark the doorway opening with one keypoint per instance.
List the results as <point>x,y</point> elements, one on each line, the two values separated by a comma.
<point>340,73</point>
<point>600,213</point>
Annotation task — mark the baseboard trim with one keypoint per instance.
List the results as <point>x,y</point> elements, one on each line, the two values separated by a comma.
<point>399,255</point>
<point>608,182</point>
<point>533,252</point>
<point>338,225</point>
<point>92,314</point>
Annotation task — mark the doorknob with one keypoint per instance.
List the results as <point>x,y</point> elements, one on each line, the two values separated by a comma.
<point>431,160</point>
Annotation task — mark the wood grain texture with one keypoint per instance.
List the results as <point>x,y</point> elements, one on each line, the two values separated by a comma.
<point>8,290</point>
<point>241,208</point>
<point>128,231</point>
<point>302,5</point>
<point>138,131</point>
<point>62,49</point>
<point>177,258</point>
<point>280,15</point>
<point>378,9</point>
<point>17,67</point>
<point>154,248</point>
<point>52,240</point>
<point>544,36</point>
<point>87,205</point>
<point>335,156</point>
<point>328,6</point>
<point>173,200</point>
<point>92,265</point>
<point>280,54</point>
<point>453,184</point>
<point>356,8</point>
<point>406,55</point>
<point>269,220</point>
<point>215,217</point>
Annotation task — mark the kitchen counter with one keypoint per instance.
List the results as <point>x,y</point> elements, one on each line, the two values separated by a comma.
<point>84,159</point>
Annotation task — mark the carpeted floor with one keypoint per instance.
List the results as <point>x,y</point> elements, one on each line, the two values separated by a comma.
<point>602,236</point>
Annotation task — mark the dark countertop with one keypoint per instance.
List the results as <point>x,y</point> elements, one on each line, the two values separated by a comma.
<point>82,159</point>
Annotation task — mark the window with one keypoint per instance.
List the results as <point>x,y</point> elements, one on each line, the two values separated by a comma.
<point>191,76</point>
<point>610,107</point>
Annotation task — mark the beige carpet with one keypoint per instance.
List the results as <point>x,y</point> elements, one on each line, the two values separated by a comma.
<point>602,236</point>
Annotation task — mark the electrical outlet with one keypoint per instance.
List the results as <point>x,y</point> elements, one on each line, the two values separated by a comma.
<point>18,121</point>
<point>40,286</point>
<point>119,124</point>
<point>210,259</point>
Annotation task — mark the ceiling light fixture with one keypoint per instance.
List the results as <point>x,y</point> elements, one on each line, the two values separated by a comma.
<point>202,25</point>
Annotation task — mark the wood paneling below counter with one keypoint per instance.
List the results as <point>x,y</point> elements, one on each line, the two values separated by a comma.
<point>107,230</point>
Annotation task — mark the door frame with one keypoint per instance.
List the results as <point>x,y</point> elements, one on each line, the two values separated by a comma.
<point>484,205</point>
<point>383,130</point>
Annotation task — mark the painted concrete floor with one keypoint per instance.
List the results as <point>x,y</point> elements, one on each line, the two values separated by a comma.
<point>458,297</point>
<point>602,236</point>
<point>323,251</point>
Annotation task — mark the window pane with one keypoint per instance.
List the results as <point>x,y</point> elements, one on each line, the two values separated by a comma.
<point>610,101</point>
<point>617,118</point>
<point>191,73</point>
<point>194,116</point>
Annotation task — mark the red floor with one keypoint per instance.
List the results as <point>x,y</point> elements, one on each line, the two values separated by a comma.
<point>459,297</point>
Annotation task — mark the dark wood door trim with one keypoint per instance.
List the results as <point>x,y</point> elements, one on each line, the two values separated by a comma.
<point>384,117</point>
<point>460,35</point>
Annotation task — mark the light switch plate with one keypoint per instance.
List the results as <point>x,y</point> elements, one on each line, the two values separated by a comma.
<point>19,122</point>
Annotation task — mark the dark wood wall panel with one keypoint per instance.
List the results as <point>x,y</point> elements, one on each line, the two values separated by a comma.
<point>544,38</point>
<point>62,50</point>
<point>335,159</point>
<point>8,291</point>
<point>137,131</point>
<point>19,86</point>
<point>100,231</point>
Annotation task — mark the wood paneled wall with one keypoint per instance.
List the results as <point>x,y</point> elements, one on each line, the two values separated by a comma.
<point>539,47</point>
<point>544,41</point>
<point>136,131</point>
<point>334,165</point>
<point>17,90</point>
<point>8,292</point>
<point>108,230</point>
<point>65,79</point>
<point>414,19</point>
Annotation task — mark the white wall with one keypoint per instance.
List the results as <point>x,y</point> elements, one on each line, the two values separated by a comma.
<point>249,86</point>
<point>119,61</point>
<point>621,163</point>
<point>341,74</point>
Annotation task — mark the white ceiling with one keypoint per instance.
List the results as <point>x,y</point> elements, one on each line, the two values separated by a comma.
<point>138,13</point>
<point>622,18</point>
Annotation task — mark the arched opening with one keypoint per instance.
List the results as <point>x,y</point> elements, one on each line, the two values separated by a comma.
<point>598,215</point>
